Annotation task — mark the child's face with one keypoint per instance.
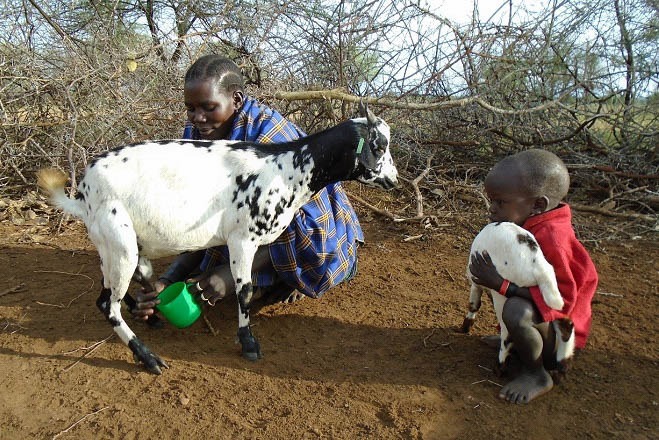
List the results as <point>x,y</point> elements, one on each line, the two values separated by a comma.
<point>508,201</point>
<point>210,110</point>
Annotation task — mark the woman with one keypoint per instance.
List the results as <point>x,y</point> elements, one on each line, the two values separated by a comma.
<point>317,251</point>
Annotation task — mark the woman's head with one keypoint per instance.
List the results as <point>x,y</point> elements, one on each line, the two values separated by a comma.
<point>213,94</point>
<point>525,184</point>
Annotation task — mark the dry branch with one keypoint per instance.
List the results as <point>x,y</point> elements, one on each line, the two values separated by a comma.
<point>417,192</point>
<point>209,325</point>
<point>93,348</point>
<point>382,212</point>
<point>339,95</point>
<point>612,170</point>
<point>624,193</point>
<point>79,421</point>
<point>12,289</point>
<point>602,211</point>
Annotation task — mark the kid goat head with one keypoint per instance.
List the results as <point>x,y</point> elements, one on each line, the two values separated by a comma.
<point>242,194</point>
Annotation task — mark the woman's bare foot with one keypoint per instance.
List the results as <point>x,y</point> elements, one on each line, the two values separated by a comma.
<point>293,297</point>
<point>279,292</point>
<point>527,386</point>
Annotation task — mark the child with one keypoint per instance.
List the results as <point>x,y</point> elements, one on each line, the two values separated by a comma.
<point>527,189</point>
<point>317,251</point>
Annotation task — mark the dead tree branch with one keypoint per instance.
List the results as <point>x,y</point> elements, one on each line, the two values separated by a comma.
<point>339,95</point>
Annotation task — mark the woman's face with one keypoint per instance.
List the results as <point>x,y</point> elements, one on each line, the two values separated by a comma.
<point>210,109</point>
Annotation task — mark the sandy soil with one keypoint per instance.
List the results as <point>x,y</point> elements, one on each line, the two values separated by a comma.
<point>377,358</point>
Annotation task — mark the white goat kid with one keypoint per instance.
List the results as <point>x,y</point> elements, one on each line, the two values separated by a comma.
<point>518,258</point>
<point>156,199</point>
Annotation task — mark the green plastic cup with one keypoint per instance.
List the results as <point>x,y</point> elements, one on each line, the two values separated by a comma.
<point>178,305</point>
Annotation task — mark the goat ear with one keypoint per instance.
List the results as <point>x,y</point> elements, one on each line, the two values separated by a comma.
<point>365,154</point>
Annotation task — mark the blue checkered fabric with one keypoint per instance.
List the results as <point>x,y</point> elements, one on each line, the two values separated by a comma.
<point>318,249</point>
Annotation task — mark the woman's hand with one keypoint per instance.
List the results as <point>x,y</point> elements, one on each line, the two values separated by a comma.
<point>146,301</point>
<point>214,284</point>
<point>484,272</point>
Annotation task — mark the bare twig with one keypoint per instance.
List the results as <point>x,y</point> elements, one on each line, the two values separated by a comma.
<point>425,339</point>
<point>449,275</point>
<point>79,421</point>
<point>611,170</point>
<point>74,298</point>
<point>93,348</point>
<point>417,192</point>
<point>633,190</point>
<point>602,211</point>
<point>59,306</point>
<point>12,289</point>
<point>617,295</point>
<point>412,238</point>
<point>67,273</point>
<point>209,325</point>
<point>382,212</point>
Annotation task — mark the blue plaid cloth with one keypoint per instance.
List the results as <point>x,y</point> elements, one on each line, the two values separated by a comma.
<point>318,250</point>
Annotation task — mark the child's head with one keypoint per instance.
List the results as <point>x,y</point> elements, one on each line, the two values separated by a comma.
<point>525,184</point>
<point>213,94</point>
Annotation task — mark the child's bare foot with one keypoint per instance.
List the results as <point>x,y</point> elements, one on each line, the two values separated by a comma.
<point>527,386</point>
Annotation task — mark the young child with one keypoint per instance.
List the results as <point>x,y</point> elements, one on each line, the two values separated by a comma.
<point>317,251</point>
<point>527,189</point>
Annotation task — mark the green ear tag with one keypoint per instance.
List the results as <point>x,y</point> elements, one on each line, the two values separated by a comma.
<point>360,146</point>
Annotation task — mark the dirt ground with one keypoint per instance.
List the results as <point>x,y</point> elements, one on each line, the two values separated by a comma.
<point>377,358</point>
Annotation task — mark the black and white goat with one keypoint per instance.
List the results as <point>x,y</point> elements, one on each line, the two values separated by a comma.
<point>157,199</point>
<point>518,258</point>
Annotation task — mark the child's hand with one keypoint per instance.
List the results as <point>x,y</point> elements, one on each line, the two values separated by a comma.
<point>484,272</point>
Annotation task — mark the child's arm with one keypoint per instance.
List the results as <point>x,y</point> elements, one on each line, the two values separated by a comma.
<point>485,274</point>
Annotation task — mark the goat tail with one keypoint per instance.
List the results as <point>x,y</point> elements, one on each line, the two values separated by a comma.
<point>52,181</point>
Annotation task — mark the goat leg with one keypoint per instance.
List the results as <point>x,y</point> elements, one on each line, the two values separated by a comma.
<point>141,352</point>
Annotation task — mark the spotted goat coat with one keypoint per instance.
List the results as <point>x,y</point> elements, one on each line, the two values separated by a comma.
<point>157,199</point>
<point>518,258</point>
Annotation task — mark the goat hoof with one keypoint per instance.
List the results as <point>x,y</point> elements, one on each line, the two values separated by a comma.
<point>152,364</point>
<point>251,349</point>
<point>252,355</point>
<point>143,355</point>
<point>466,325</point>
